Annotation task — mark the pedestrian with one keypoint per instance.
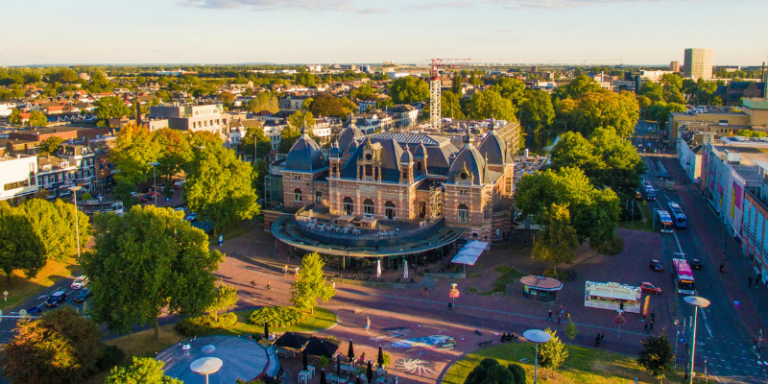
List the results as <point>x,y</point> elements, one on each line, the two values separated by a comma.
<point>425,292</point>
<point>722,268</point>
<point>559,316</point>
<point>750,282</point>
<point>597,340</point>
<point>650,329</point>
<point>621,306</point>
<point>602,337</point>
<point>285,270</point>
<point>367,324</point>
<point>333,284</point>
<point>645,329</point>
<point>653,316</point>
<point>549,315</point>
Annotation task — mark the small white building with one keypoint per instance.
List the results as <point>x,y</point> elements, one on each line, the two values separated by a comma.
<point>17,176</point>
<point>6,108</point>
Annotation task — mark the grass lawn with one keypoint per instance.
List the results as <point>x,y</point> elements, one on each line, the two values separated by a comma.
<point>584,365</point>
<point>229,233</point>
<point>322,319</point>
<point>22,289</point>
<point>644,224</point>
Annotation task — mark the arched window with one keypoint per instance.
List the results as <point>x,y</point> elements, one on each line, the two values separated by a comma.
<point>297,195</point>
<point>368,207</point>
<point>389,210</point>
<point>463,213</point>
<point>349,206</point>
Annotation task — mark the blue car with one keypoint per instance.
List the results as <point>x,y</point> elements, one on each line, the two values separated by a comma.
<point>34,311</point>
<point>83,295</point>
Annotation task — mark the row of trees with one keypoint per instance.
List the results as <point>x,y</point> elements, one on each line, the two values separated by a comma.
<point>37,231</point>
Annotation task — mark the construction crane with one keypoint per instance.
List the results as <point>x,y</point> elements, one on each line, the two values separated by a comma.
<point>435,84</point>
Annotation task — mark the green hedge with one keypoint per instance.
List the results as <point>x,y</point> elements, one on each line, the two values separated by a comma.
<point>276,317</point>
<point>203,325</point>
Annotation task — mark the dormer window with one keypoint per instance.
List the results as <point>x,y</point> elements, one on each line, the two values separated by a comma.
<point>64,164</point>
<point>47,167</point>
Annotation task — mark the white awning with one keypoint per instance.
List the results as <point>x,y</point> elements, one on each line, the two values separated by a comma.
<point>469,254</point>
<point>614,295</point>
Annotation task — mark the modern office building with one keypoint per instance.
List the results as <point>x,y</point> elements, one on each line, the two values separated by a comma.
<point>674,66</point>
<point>698,63</point>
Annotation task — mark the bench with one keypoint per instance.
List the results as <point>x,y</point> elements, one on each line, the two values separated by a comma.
<point>484,343</point>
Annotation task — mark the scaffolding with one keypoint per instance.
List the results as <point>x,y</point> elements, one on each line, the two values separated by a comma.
<point>435,196</point>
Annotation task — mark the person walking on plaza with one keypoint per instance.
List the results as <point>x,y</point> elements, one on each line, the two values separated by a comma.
<point>722,268</point>
<point>653,316</point>
<point>367,324</point>
<point>645,329</point>
<point>602,337</point>
<point>425,292</point>
<point>285,270</point>
<point>597,340</point>
<point>650,329</point>
<point>549,316</point>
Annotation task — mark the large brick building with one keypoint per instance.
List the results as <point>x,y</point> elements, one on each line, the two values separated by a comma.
<point>405,177</point>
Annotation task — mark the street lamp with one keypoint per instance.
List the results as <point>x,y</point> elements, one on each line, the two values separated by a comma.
<point>536,336</point>
<point>206,366</point>
<point>74,189</point>
<point>698,302</point>
<point>154,181</point>
<point>453,294</point>
<point>5,296</point>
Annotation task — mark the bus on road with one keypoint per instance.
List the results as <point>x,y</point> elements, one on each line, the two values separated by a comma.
<point>683,277</point>
<point>662,221</point>
<point>678,217</point>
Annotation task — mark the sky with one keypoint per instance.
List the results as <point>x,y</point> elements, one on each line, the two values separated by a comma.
<point>639,32</point>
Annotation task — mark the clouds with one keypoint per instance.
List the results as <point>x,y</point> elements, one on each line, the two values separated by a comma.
<point>274,5</point>
<point>374,10</point>
<point>564,4</point>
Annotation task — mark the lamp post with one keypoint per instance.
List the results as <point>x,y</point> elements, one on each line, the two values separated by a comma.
<point>453,294</point>
<point>5,296</point>
<point>74,189</point>
<point>536,336</point>
<point>677,336</point>
<point>154,181</point>
<point>697,302</point>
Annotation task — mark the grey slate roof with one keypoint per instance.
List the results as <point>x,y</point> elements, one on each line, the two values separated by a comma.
<point>305,156</point>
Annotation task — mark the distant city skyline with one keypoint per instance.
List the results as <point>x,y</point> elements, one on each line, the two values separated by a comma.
<point>595,32</point>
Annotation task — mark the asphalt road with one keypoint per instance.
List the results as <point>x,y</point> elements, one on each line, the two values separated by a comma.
<point>722,343</point>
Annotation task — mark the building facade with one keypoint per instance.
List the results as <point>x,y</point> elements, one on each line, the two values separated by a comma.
<point>18,176</point>
<point>193,118</point>
<point>698,63</point>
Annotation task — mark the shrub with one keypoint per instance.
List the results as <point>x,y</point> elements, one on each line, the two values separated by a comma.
<point>487,363</point>
<point>610,248</point>
<point>499,375</point>
<point>276,317</point>
<point>111,355</point>
<point>387,359</point>
<point>518,372</point>
<point>472,290</point>
<point>205,324</point>
<point>562,275</point>
<point>477,375</point>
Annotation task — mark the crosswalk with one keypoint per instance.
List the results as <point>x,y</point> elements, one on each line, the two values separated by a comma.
<point>740,365</point>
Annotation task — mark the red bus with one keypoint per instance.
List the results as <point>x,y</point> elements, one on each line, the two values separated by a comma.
<point>684,277</point>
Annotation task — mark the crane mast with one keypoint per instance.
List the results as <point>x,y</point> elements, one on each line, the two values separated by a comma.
<point>435,85</point>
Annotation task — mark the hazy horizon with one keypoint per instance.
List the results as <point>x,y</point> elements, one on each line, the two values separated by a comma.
<point>282,32</point>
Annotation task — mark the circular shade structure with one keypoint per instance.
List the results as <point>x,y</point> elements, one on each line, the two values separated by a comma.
<point>697,301</point>
<point>536,336</point>
<point>241,359</point>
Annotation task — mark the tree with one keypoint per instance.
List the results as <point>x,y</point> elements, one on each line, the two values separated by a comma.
<point>558,241</point>
<point>511,89</point>
<point>580,85</point>
<point>264,101</point>
<point>204,139</point>
<point>50,145</point>
<point>451,105</point>
<point>263,143</point>
<point>499,374</point>
<point>407,90</point>
<point>606,109</point>
<point>50,228</point>
<point>594,213</point>
<point>565,108</point>
<point>571,331</point>
<point>15,117</point>
<point>536,109</point>
<point>326,104</point>
<point>153,251</point>
<point>644,102</point>
<point>489,104</point>
<point>306,79</point>
<point>37,119</point>
<point>61,347</point>
<point>622,168</point>
<point>111,107</point>
<point>227,97</point>
<point>310,284</point>
<point>224,298</point>
<point>656,356</point>
<point>456,87</point>
<point>553,353</point>
<point>144,370</point>
<point>749,133</point>
<point>288,137</point>
<point>134,150</point>
<point>21,248</point>
<point>174,152</point>
<point>219,188</point>
<point>67,213</point>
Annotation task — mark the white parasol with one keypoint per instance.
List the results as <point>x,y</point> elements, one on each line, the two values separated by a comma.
<point>405,269</point>
<point>378,268</point>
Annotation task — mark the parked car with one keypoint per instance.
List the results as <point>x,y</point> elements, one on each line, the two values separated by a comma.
<point>80,282</point>
<point>192,216</point>
<point>650,288</point>
<point>134,194</point>
<point>35,310</point>
<point>696,264</point>
<point>638,195</point>
<point>56,298</point>
<point>656,265</point>
<point>83,295</point>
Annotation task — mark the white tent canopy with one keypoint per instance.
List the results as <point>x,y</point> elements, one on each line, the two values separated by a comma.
<point>469,254</point>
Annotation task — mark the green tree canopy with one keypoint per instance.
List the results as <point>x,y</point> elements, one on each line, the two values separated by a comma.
<point>553,353</point>
<point>456,87</point>
<point>134,150</point>
<point>153,251</point>
<point>536,109</point>
<point>264,101</point>
<point>657,355</point>
<point>15,117</point>
<point>61,347</point>
<point>310,284</point>
<point>511,89</point>
<point>50,145</point>
<point>52,230</point>
<point>67,213</point>
<point>606,109</point>
<point>594,213</point>
<point>224,298</point>
<point>111,107</point>
<point>326,104</point>
<point>263,143</point>
<point>580,85</point>
<point>558,241</point>
<point>749,133</point>
<point>37,119</point>
<point>219,188</point>
<point>489,104</point>
<point>306,79</point>
<point>407,90</point>
<point>21,248</point>
<point>144,370</point>
<point>451,105</point>
<point>174,152</point>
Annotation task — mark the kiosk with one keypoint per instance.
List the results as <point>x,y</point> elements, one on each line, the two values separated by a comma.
<point>540,288</point>
<point>612,296</point>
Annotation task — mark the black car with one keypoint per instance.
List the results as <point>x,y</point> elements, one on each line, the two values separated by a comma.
<point>56,298</point>
<point>696,264</point>
<point>35,310</point>
<point>84,294</point>
<point>656,266</point>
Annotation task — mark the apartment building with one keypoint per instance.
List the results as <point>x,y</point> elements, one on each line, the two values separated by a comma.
<point>698,63</point>
<point>193,118</point>
<point>17,176</point>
